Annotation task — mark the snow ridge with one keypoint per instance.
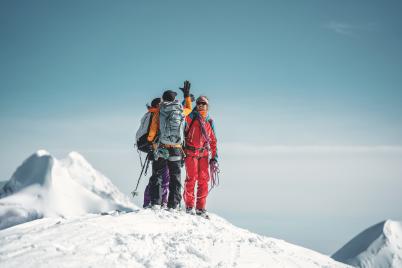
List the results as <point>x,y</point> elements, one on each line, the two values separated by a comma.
<point>378,246</point>
<point>62,205</point>
<point>34,170</point>
<point>44,186</point>
<point>147,238</point>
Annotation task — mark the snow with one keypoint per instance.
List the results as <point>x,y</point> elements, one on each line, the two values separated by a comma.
<point>378,246</point>
<point>44,186</point>
<point>147,238</point>
<point>65,213</point>
<point>42,153</point>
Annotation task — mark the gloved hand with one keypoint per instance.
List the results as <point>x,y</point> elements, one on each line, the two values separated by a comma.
<point>150,155</point>
<point>213,161</point>
<point>147,148</point>
<point>186,88</point>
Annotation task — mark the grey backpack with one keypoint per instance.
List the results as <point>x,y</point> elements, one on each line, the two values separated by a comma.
<point>171,123</point>
<point>142,133</point>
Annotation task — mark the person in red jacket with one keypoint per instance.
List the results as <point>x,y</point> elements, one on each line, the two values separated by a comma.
<point>201,150</point>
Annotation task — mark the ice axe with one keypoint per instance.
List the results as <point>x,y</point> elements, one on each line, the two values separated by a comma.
<point>144,167</point>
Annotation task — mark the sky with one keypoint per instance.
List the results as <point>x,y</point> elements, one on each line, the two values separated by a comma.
<point>306,98</point>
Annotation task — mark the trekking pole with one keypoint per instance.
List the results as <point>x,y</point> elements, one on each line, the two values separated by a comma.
<point>135,192</point>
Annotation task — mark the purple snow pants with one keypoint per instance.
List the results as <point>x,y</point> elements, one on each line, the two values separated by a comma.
<point>165,189</point>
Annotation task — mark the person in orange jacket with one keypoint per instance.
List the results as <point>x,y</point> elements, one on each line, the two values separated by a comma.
<point>169,154</point>
<point>154,109</point>
<point>201,151</point>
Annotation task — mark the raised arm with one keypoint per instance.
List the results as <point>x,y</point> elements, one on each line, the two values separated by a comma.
<point>187,98</point>
<point>187,106</point>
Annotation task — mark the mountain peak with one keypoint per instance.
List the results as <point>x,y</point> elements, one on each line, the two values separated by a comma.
<point>76,156</point>
<point>148,238</point>
<point>36,169</point>
<point>374,247</point>
<point>43,186</point>
<point>393,230</point>
<point>42,152</point>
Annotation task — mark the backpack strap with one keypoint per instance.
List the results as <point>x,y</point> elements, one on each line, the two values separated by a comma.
<point>210,121</point>
<point>189,127</point>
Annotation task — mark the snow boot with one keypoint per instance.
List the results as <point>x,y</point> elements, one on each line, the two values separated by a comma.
<point>173,209</point>
<point>190,211</point>
<point>202,213</point>
<point>156,207</point>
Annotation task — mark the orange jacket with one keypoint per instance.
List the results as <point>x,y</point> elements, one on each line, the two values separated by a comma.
<point>154,128</point>
<point>155,113</point>
<point>153,110</point>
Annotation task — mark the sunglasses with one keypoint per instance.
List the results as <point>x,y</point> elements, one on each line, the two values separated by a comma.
<point>202,103</point>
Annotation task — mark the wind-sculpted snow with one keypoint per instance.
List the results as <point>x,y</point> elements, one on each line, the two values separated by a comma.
<point>147,238</point>
<point>379,246</point>
<point>44,186</point>
<point>34,170</point>
<point>81,171</point>
<point>52,213</point>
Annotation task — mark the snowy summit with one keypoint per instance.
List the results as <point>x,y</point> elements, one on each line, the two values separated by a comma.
<point>44,186</point>
<point>379,246</point>
<point>52,213</point>
<point>147,238</point>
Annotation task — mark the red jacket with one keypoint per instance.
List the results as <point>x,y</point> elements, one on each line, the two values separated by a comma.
<point>196,141</point>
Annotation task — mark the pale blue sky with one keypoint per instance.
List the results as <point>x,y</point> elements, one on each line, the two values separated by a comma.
<point>75,75</point>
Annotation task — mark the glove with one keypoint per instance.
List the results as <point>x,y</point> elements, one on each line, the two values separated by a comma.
<point>148,147</point>
<point>186,88</point>
<point>150,156</point>
<point>213,161</point>
<point>192,98</point>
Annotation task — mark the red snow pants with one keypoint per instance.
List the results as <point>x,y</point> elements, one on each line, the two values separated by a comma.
<point>197,170</point>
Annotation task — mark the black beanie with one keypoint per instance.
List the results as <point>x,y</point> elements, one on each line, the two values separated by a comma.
<point>155,102</point>
<point>169,95</point>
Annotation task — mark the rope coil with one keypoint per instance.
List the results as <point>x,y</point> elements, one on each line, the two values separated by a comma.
<point>214,172</point>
